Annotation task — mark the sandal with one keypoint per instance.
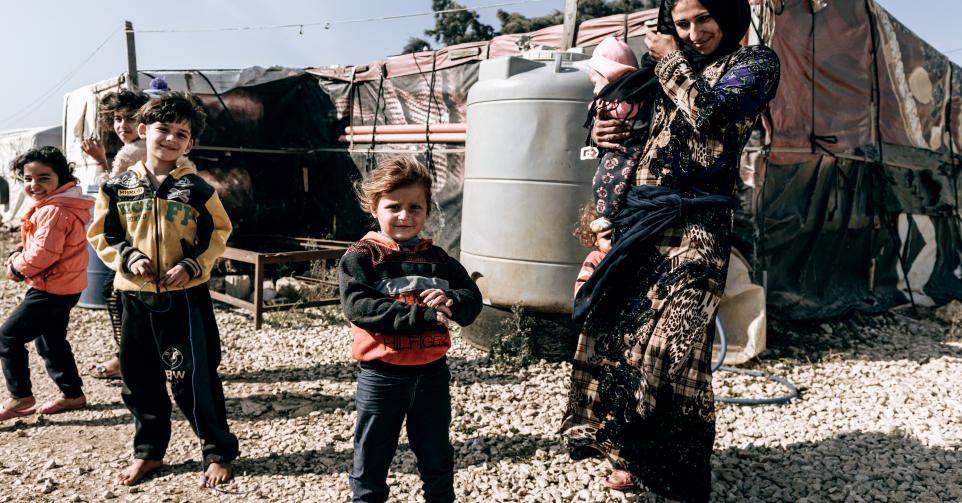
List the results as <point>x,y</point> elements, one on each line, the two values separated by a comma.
<point>62,405</point>
<point>100,371</point>
<point>7,410</point>
<point>620,480</point>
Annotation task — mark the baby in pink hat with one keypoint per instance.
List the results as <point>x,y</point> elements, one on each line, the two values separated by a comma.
<point>611,60</point>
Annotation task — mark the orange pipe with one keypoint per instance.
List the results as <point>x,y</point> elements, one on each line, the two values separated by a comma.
<point>405,138</point>
<point>408,128</point>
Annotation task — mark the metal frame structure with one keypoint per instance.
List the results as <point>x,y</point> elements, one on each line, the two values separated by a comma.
<point>313,249</point>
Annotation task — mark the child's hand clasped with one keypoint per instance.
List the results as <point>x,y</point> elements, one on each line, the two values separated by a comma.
<point>142,268</point>
<point>437,299</point>
<point>176,277</point>
<point>10,275</point>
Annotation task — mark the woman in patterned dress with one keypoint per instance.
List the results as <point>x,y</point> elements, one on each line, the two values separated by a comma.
<point>641,382</point>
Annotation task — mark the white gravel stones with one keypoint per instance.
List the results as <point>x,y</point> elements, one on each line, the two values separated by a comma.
<point>879,419</point>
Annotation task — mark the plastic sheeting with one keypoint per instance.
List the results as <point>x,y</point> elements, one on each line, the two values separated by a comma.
<point>819,221</point>
<point>865,216</point>
<point>742,313</point>
<point>267,147</point>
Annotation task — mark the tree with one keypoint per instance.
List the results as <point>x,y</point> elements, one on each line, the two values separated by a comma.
<point>513,22</point>
<point>416,44</point>
<point>452,28</point>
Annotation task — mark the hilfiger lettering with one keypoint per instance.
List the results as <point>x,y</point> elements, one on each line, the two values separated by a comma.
<point>415,342</point>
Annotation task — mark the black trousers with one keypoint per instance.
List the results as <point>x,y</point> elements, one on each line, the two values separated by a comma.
<point>173,337</point>
<point>42,317</point>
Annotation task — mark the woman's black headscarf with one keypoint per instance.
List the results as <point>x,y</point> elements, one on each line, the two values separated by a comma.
<point>639,86</point>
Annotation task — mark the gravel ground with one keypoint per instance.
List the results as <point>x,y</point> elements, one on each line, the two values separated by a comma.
<point>879,419</point>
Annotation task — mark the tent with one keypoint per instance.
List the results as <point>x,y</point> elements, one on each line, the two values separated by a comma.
<point>265,148</point>
<point>13,202</point>
<point>849,188</point>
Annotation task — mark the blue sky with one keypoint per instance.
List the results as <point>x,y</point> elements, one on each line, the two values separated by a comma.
<point>46,40</point>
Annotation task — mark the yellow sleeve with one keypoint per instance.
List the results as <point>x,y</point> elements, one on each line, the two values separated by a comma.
<point>108,236</point>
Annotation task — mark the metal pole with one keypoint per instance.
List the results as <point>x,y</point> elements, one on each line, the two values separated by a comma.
<point>132,82</point>
<point>571,25</point>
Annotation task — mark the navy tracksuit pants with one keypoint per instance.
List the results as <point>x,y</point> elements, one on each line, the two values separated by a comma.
<point>173,337</point>
<point>384,400</point>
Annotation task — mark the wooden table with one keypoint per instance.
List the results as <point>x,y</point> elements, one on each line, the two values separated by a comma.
<point>313,249</point>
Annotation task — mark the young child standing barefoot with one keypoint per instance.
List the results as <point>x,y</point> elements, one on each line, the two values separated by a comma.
<point>160,226</point>
<point>52,260</point>
<point>399,291</point>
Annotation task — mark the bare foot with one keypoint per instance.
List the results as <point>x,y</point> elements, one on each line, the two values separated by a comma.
<point>137,470</point>
<point>109,369</point>
<point>217,474</point>
<point>17,407</point>
<point>62,405</point>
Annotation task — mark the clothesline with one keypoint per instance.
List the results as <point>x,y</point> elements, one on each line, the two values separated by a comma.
<point>328,24</point>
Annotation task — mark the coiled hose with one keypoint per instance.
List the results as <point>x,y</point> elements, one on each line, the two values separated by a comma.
<point>723,340</point>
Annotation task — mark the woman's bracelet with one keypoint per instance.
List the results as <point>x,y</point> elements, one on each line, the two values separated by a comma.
<point>666,67</point>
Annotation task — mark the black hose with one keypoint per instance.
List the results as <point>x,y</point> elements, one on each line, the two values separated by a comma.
<point>723,341</point>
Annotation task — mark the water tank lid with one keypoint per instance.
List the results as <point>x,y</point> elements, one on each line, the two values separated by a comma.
<point>514,78</point>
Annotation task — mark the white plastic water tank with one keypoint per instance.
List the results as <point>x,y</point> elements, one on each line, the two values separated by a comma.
<point>524,183</point>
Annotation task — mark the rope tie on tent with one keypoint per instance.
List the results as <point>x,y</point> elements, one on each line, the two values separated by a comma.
<point>378,103</point>
<point>876,84</point>
<point>780,9</point>
<point>814,139</point>
<point>220,99</point>
<point>350,108</point>
<point>818,140</point>
<point>429,154</point>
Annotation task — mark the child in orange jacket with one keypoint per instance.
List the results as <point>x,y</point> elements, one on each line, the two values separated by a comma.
<point>52,260</point>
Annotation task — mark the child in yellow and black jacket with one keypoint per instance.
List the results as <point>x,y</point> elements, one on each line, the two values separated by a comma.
<point>161,227</point>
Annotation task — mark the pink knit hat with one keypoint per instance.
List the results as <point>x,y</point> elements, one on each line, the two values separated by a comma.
<point>612,59</point>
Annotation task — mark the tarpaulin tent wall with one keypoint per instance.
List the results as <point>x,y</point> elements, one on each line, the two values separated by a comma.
<point>266,146</point>
<point>13,202</point>
<point>849,193</point>
<point>858,208</point>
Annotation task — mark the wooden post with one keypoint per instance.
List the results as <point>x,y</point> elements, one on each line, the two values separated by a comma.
<point>258,291</point>
<point>132,82</point>
<point>571,25</point>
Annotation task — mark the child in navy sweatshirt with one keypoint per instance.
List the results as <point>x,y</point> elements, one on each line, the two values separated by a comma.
<point>399,292</point>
